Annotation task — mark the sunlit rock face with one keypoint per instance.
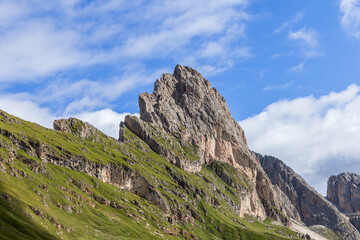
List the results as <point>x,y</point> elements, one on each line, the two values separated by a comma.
<point>186,106</point>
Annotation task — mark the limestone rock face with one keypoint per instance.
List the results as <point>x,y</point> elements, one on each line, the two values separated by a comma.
<point>313,208</point>
<point>344,191</point>
<point>186,107</point>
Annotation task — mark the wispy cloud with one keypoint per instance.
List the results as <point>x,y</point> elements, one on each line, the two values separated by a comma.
<point>297,68</point>
<point>278,87</point>
<point>350,19</point>
<point>307,38</point>
<point>81,56</point>
<point>81,34</point>
<point>295,19</point>
<point>305,35</point>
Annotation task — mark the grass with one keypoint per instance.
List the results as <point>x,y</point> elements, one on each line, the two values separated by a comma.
<point>58,202</point>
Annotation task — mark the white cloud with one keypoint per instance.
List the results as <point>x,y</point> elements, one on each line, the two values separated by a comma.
<point>305,35</point>
<point>208,28</point>
<point>317,137</point>
<point>9,12</point>
<point>295,19</point>
<point>106,120</point>
<point>297,68</point>
<point>73,97</point>
<point>307,38</point>
<point>41,38</point>
<point>37,49</point>
<point>27,110</point>
<point>350,19</point>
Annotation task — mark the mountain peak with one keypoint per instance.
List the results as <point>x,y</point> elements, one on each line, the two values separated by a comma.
<point>185,105</point>
<point>185,109</point>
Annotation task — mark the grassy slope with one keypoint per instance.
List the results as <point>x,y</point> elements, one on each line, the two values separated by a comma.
<point>50,206</point>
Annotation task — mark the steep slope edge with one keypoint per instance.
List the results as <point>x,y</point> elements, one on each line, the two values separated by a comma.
<point>313,208</point>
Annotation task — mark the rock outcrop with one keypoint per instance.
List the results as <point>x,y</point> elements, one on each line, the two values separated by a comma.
<point>313,208</point>
<point>78,128</point>
<point>344,192</point>
<point>179,152</point>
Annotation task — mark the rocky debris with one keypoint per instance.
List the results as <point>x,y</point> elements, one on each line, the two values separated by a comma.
<point>82,186</point>
<point>102,200</point>
<point>79,128</point>
<point>117,205</point>
<point>6,197</point>
<point>313,208</point>
<point>180,153</point>
<point>320,232</point>
<point>38,212</point>
<point>343,190</point>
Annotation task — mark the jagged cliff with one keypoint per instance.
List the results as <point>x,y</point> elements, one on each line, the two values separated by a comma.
<point>185,106</point>
<point>344,192</point>
<point>313,208</point>
<point>182,170</point>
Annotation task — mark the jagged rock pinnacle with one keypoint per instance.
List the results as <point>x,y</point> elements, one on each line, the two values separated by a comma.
<point>185,105</point>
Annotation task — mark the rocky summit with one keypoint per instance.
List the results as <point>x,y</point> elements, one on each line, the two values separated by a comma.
<point>183,170</point>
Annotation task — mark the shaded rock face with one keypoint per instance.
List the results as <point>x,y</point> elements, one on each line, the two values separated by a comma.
<point>313,208</point>
<point>186,107</point>
<point>344,191</point>
<point>354,218</point>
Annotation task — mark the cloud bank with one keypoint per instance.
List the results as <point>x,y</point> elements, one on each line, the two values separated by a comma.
<point>317,137</point>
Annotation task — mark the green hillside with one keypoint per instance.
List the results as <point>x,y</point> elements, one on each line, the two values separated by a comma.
<point>46,193</point>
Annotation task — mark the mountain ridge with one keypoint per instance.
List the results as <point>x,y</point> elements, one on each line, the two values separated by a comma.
<point>182,170</point>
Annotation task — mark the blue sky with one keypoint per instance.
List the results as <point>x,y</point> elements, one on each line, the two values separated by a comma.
<point>289,70</point>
